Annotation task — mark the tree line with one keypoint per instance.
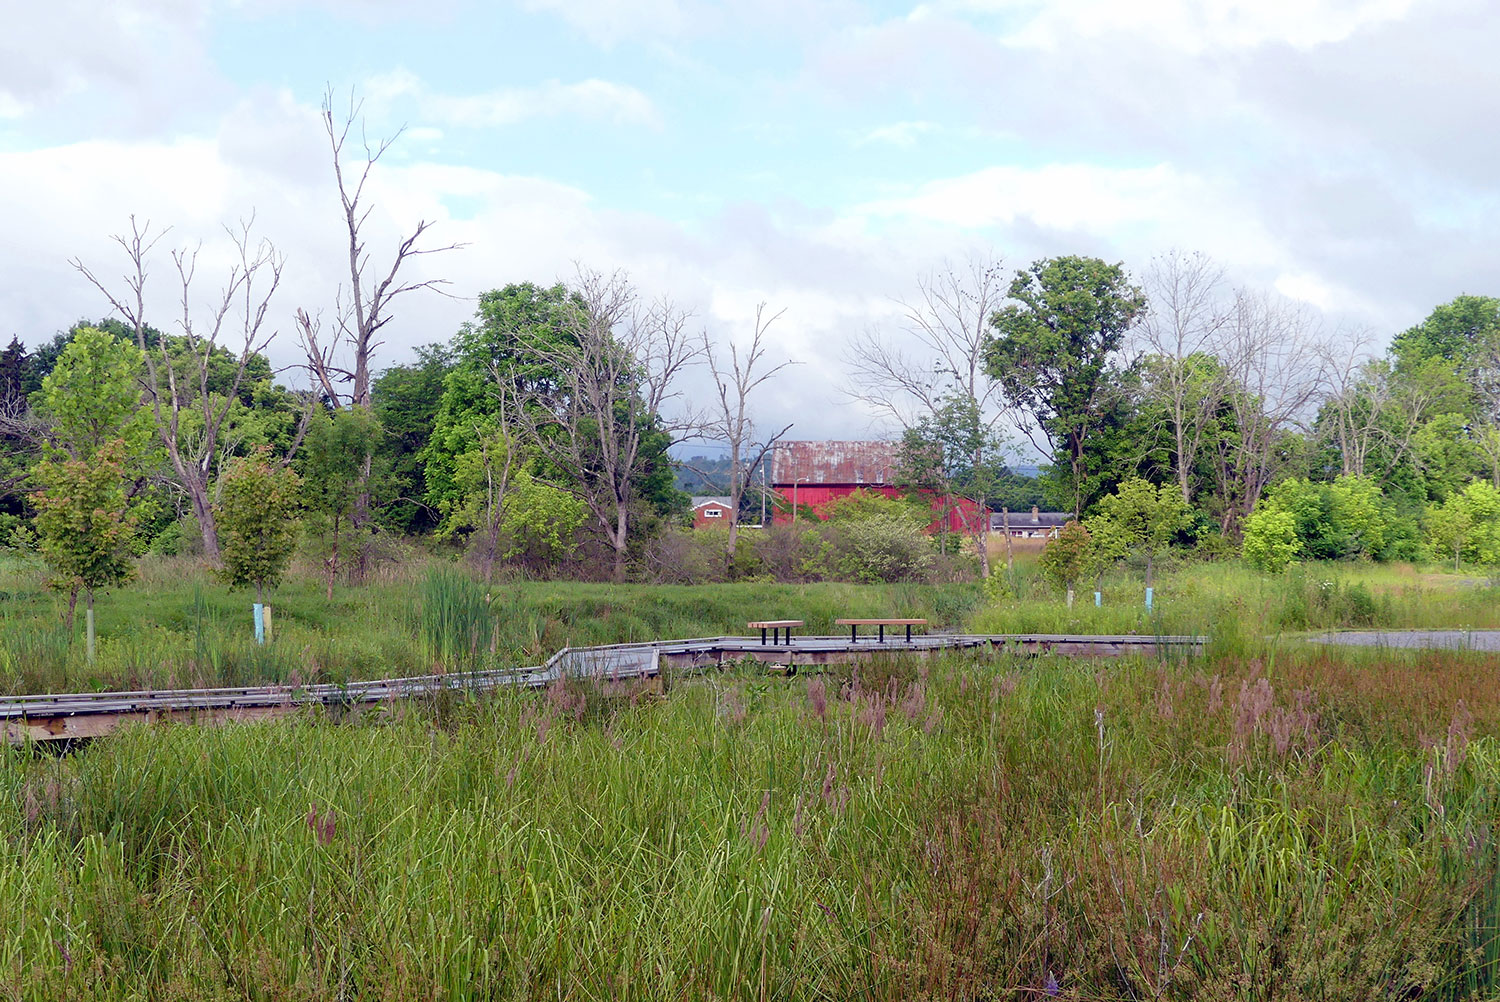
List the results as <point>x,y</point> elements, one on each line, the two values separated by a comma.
<point>538,435</point>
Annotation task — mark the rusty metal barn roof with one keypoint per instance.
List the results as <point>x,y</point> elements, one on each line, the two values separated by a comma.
<point>862,462</point>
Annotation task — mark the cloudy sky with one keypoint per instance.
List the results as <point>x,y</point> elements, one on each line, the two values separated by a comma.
<point>818,156</point>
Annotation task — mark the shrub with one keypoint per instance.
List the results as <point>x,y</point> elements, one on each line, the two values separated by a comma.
<point>882,547</point>
<point>1271,540</point>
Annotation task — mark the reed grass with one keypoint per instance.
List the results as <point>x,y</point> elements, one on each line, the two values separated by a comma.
<point>954,830</point>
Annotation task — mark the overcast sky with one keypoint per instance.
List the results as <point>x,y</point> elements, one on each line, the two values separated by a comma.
<point>817,156</point>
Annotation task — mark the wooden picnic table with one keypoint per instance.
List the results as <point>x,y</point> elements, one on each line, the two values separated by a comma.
<point>784,625</point>
<point>855,624</point>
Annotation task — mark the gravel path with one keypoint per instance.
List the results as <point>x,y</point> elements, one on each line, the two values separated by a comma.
<point>1468,640</point>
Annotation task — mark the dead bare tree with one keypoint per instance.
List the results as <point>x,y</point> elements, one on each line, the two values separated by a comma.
<point>1180,335</point>
<point>1357,401</point>
<point>1270,350</point>
<point>735,378</point>
<point>616,368</point>
<point>946,330</point>
<point>363,309</point>
<point>178,371</point>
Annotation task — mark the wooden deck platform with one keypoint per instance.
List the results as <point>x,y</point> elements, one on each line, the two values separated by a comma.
<point>78,716</point>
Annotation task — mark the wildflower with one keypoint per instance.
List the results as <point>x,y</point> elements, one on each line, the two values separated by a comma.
<point>1052,989</point>
<point>323,825</point>
<point>817,695</point>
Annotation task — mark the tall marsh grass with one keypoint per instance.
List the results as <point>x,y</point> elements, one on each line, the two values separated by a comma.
<point>1234,830</point>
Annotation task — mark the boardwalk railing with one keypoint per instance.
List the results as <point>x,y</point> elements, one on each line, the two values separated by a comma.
<point>73,716</point>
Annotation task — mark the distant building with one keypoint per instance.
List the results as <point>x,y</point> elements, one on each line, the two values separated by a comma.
<point>809,475</point>
<point>1034,524</point>
<point>711,511</point>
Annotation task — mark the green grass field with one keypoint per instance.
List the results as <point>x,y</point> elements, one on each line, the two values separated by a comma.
<point>1269,821</point>
<point>176,627</point>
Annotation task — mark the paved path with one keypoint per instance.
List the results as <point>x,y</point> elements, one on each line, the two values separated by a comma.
<point>1461,640</point>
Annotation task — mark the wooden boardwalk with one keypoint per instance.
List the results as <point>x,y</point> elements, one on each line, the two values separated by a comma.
<point>76,716</point>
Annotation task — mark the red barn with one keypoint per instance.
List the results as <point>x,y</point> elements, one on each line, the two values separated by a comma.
<point>808,475</point>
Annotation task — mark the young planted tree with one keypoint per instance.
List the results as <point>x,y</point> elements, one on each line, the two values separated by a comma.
<point>334,470</point>
<point>1067,557</point>
<point>1108,545</point>
<point>257,511</point>
<point>1145,518</point>
<point>85,524</point>
<point>92,397</point>
<point>89,403</point>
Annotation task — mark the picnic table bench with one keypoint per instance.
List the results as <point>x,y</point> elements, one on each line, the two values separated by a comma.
<point>784,625</point>
<point>855,624</point>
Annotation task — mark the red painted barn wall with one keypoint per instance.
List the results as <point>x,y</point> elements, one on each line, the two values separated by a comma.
<point>811,498</point>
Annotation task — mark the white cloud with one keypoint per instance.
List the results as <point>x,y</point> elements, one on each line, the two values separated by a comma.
<point>1193,26</point>
<point>902,134</point>
<point>608,22</point>
<point>146,49</point>
<point>598,99</point>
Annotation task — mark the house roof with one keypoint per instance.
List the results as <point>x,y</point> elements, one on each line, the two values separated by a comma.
<point>847,462</point>
<point>1032,519</point>
<point>701,500</point>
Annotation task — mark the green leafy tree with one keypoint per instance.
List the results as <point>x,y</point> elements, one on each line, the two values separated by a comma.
<point>1067,557</point>
<point>1109,543</point>
<point>1363,515</point>
<point>92,397</point>
<point>85,523</point>
<point>334,476</point>
<point>540,523</point>
<point>1464,333</point>
<point>407,399</point>
<point>508,352</point>
<point>257,509</point>
<point>1052,352</point>
<point>955,454</point>
<point>1145,518</point>
<point>1467,525</point>
<point>1348,518</point>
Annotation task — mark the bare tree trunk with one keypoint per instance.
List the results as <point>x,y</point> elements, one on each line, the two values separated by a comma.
<point>619,540</point>
<point>1182,327</point>
<point>174,386</point>
<point>730,422</point>
<point>332,563</point>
